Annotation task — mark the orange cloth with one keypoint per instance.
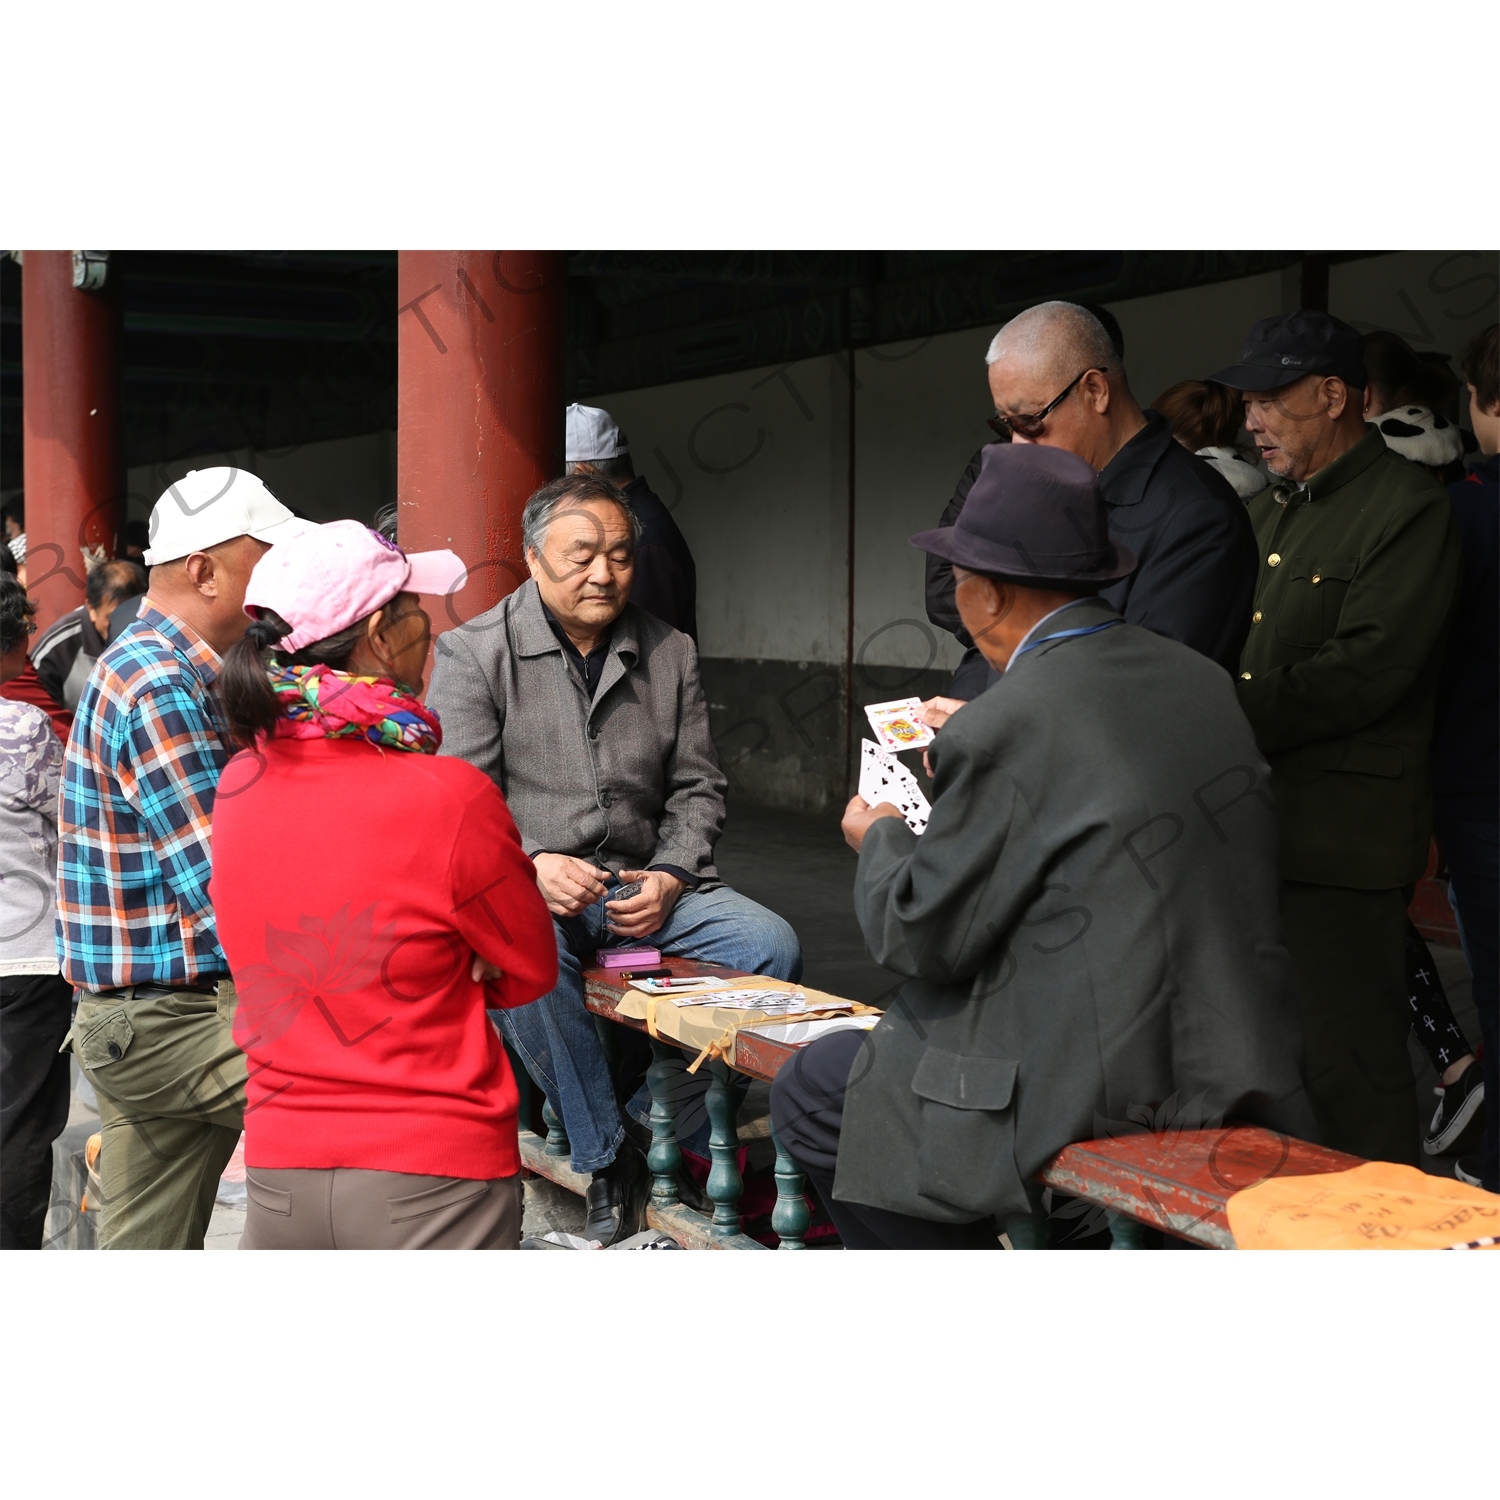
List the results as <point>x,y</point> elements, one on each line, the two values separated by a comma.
<point>1375,1206</point>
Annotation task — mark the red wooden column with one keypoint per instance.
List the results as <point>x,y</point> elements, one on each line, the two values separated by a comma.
<point>480,409</point>
<point>75,488</point>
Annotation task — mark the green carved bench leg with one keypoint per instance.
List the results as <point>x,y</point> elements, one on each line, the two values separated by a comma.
<point>557,1137</point>
<point>724,1182</point>
<point>791,1216</point>
<point>1126,1234</point>
<point>664,1156</point>
<point>1029,1231</point>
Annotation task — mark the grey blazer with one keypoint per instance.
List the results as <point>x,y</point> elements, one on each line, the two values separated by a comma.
<point>628,781</point>
<point>1090,925</point>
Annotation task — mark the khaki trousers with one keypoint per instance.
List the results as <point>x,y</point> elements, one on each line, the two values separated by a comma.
<point>1348,973</point>
<point>348,1208</point>
<point>171,1087</point>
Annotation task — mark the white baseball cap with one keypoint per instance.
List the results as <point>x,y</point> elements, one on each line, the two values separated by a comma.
<point>209,506</point>
<point>592,435</point>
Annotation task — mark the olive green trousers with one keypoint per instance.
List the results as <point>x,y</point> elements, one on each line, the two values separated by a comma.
<point>171,1087</point>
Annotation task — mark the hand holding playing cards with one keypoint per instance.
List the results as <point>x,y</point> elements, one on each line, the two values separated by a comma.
<point>859,815</point>
<point>567,884</point>
<point>883,780</point>
<point>641,915</point>
<point>936,712</point>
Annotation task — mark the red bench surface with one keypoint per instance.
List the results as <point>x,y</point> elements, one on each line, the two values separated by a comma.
<point>1181,1181</point>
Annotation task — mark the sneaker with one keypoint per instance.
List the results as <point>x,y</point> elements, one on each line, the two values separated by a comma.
<point>1459,1114</point>
<point>1466,1169</point>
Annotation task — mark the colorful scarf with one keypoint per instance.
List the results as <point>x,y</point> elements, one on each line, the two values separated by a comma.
<point>319,703</point>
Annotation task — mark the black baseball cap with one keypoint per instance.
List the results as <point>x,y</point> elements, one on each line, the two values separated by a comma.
<point>1280,350</point>
<point>1034,517</point>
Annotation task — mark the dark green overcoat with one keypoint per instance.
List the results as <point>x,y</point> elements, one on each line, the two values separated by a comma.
<point>1359,573</point>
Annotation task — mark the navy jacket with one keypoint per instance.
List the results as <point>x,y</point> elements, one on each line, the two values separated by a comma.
<point>1466,735</point>
<point>1188,528</point>
<point>666,582</point>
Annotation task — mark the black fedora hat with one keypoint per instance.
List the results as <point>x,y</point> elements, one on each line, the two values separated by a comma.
<point>1034,517</point>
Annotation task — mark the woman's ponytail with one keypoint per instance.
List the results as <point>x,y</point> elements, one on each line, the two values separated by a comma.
<point>250,703</point>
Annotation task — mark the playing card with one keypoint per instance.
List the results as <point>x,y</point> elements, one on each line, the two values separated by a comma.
<point>896,724</point>
<point>882,778</point>
<point>877,773</point>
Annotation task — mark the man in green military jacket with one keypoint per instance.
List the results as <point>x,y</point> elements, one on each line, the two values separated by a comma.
<point>1359,571</point>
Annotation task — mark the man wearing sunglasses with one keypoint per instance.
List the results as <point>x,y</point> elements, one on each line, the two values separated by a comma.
<point>1057,380</point>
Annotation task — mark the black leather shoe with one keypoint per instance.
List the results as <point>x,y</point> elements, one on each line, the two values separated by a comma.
<point>616,1198</point>
<point>690,1194</point>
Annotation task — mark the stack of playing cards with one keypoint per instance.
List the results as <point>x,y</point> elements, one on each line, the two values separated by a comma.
<point>882,778</point>
<point>897,726</point>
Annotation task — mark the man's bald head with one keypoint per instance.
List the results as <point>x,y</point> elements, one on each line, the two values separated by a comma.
<point>1055,339</point>
<point>1057,379</point>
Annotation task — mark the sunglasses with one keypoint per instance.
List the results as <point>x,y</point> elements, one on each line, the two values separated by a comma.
<point>1031,426</point>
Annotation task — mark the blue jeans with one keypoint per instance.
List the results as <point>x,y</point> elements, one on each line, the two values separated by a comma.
<point>1472,848</point>
<point>555,1036</point>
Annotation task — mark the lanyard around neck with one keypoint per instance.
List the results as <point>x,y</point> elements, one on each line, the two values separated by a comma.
<point>1063,635</point>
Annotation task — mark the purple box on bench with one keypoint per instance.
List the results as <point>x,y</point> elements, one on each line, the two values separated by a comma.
<point>629,958</point>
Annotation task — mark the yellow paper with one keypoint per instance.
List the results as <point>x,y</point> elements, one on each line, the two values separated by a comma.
<point>1375,1206</point>
<point>697,1026</point>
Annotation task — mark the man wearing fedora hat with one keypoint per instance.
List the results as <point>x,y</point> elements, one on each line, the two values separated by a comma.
<point>1089,923</point>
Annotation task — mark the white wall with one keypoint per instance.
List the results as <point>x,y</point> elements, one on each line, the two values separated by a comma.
<point>1435,299</point>
<point>755,469</point>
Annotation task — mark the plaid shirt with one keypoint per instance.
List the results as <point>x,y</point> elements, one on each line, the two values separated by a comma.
<point>138,785</point>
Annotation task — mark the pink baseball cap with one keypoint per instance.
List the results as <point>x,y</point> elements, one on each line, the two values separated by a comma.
<point>327,577</point>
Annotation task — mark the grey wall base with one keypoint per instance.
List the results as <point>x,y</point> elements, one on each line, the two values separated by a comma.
<point>783,730</point>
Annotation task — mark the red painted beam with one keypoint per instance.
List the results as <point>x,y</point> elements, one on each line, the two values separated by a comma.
<point>479,409</point>
<point>75,487</point>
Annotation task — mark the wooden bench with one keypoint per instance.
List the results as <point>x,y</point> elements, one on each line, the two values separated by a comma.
<point>1175,1181</point>
<point>759,1057</point>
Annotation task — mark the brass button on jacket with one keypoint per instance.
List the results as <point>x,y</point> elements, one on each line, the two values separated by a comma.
<point>1256,618</point>
<point>1274,560</point>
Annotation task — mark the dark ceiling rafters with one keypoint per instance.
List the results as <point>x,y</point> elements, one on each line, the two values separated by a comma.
<point>272,349</point>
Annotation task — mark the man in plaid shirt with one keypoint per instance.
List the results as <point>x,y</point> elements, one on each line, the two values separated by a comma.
<point>135,927</point>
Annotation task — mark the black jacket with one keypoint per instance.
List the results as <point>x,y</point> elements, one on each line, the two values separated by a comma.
<point>1188,528</point>
<point>1466,741</point>
<point>65,654</point>
<point>666,582</point>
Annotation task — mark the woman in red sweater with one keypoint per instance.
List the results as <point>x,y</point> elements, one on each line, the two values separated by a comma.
<point>373,900</point>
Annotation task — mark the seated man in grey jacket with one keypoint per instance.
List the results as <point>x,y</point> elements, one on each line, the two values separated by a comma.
<point>1089,922</point>
<point>589,715</point>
